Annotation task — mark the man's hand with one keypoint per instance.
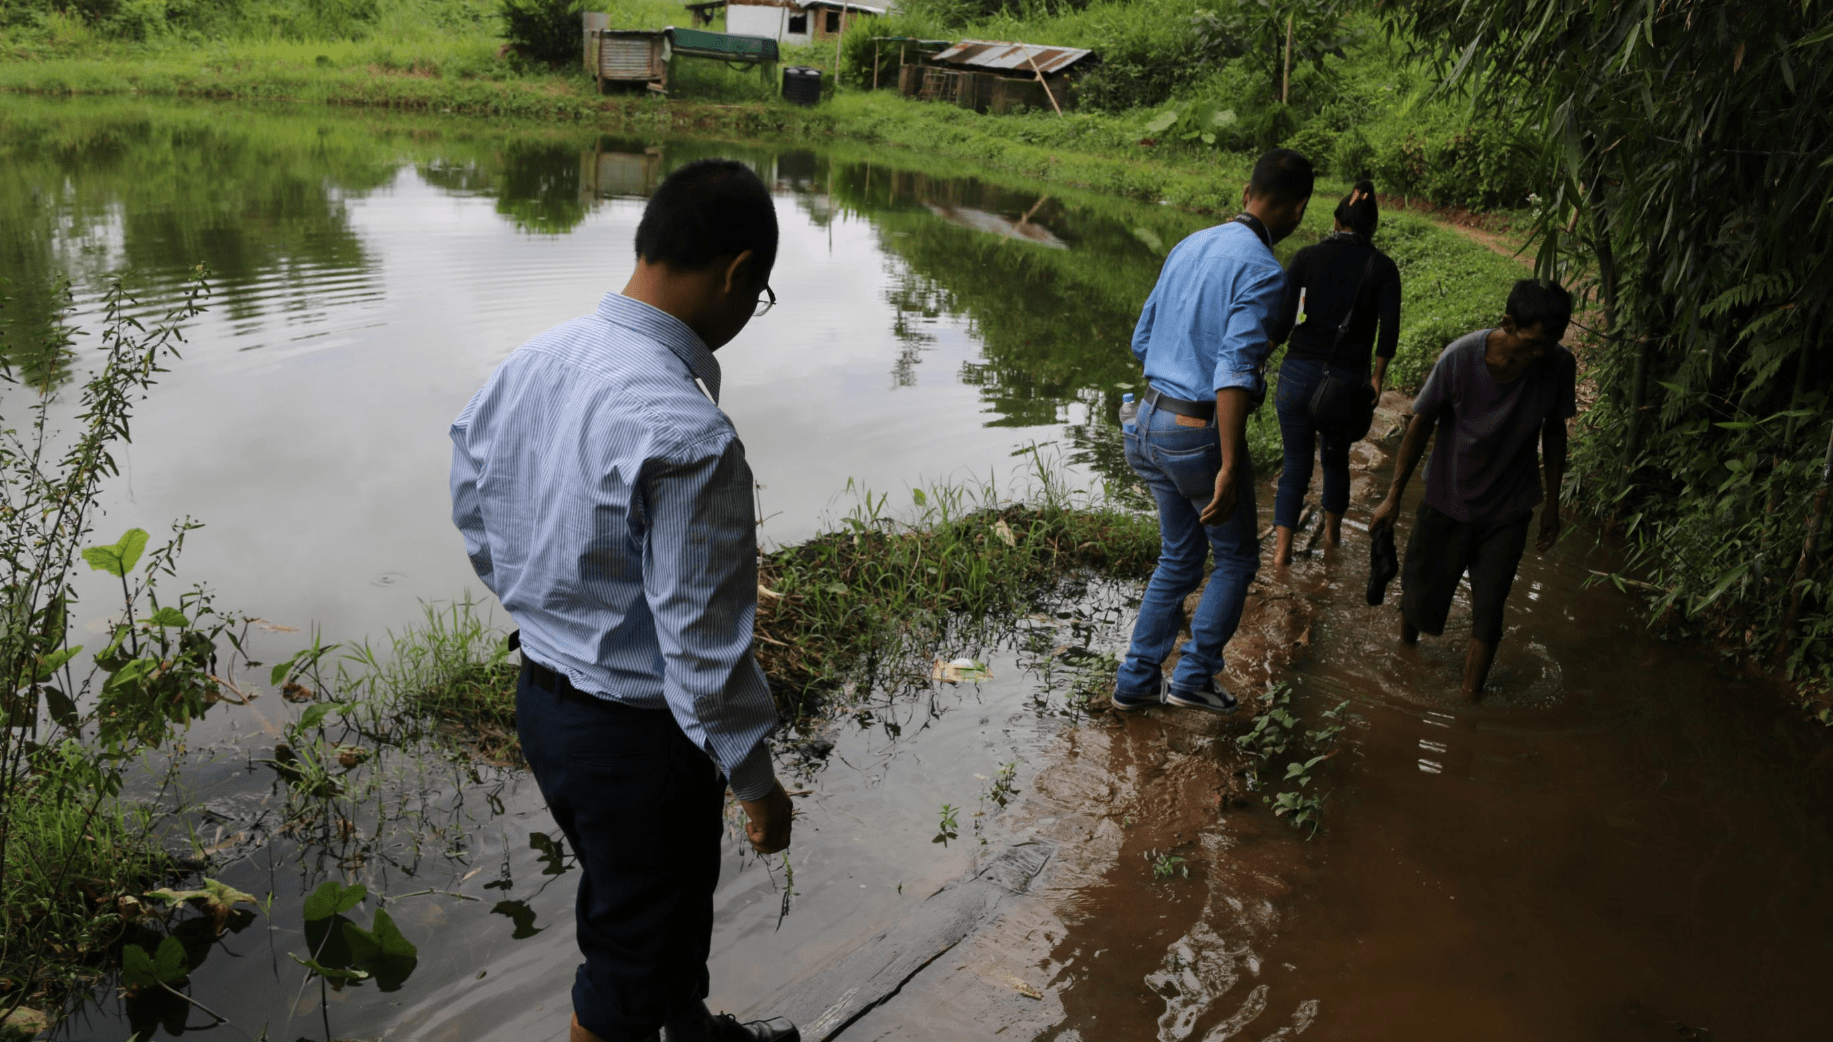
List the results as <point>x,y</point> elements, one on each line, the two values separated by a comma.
<point>1383,516</point>
<point>1223,505</point>
<point>1550,525</point>
<point>768,824</point>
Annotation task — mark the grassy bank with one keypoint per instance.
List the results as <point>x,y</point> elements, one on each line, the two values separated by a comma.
<point>1109,151</point>
<point>1090,151</point>
<point>836,614</point>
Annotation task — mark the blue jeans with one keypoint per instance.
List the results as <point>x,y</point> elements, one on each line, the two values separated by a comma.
<point>1298,380</point>
<point>1179,465</point>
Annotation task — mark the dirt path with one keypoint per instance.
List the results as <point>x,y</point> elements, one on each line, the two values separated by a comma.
<point>1489,230</point>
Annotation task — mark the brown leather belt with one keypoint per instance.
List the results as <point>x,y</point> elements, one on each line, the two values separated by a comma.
<point>1198,410</point>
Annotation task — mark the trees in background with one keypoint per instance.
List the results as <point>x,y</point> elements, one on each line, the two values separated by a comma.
<point>1685,148</point>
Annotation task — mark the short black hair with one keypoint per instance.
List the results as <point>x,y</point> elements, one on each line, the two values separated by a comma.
<point>1283,175</point>
<point>1540,302</point>
<point>1363,215</point>
<point>708,209</point>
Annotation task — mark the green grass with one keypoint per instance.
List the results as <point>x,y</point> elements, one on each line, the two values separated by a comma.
<point>880,587</point>
<point>883,586</point>
<point>69,865</point>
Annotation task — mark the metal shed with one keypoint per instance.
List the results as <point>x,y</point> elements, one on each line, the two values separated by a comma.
<point>630,56</point>
<point>1012,57</point>
<point>998,76</point>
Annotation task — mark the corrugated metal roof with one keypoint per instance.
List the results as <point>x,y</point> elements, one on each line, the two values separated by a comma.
<point>993,54</point>
<point>838,4</point>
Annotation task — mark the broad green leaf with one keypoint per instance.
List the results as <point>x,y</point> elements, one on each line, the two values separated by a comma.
<point>120,558</point>
<point>218,898</point>
<point>50,664</point>
<point>132,672</point>
<point>329,972</point>
<point>1161,122</point>
<point>168,617</point>
<point>315,715</point>
<point>333,897</point>
<point>170,962</point>
<point>921,498</point>
<point>381,951</point>
<point>137,967</point>
<point>140,970</point>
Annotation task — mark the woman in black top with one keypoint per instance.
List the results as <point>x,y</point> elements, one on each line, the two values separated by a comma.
<point>1344,269</point>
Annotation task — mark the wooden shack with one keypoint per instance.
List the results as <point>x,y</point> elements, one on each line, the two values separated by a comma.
<point>997,76</point>
<point>642,55</point>
<point>629,56</point>
<point>796,21</point>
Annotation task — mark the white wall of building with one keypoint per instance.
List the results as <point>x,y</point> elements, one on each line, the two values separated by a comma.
<point>771,22</point>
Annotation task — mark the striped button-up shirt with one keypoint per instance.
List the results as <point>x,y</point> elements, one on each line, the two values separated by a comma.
<point>1204,328</point>
<point>605,500</point>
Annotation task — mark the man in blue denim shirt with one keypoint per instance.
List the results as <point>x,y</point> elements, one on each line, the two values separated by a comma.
<point>1202,339</point>
<point>605,499</point>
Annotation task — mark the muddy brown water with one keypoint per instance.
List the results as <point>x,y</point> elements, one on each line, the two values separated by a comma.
<point>1621,841</point>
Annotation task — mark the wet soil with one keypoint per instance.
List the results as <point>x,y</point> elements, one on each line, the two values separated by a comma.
<point>1616,842</point>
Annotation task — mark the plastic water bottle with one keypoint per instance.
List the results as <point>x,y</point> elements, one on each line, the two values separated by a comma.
<point>1128,410</point>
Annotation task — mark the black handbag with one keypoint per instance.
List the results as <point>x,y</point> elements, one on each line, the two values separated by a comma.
<point>1345,406</point>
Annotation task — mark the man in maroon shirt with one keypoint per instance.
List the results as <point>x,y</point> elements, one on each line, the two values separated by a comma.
<point>1490,398</point>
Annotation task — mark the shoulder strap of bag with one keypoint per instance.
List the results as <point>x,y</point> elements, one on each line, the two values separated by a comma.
<point>1350,312</point>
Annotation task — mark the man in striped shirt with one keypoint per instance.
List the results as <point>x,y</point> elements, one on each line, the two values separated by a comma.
<point>605,499</point>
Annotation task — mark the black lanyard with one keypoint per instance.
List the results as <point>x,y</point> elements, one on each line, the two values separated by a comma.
<point>1254,225</point>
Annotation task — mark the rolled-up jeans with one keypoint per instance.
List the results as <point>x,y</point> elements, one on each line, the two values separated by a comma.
<point>1179,464</point>
<point>1303,439</point>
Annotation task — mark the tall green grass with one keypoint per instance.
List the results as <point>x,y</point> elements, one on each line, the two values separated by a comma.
<point>885,583</point>
<point>882,586</point>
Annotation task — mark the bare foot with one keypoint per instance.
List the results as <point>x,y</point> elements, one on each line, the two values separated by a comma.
<point>1282,546</point>
<point>1333,529</point>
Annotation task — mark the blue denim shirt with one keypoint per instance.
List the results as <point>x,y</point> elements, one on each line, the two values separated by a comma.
<point>605,500</point>
<point>1204,328</point>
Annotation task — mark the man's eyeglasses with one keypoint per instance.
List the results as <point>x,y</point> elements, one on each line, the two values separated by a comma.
<point>765,302</point>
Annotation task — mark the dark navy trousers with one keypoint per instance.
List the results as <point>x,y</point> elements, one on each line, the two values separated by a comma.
<point>642,809</point>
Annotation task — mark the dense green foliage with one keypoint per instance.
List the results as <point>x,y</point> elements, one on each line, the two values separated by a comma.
<point>73,850</point>
<point>1190,80</point>
<point>1684,149</point>
<point>546,31</point>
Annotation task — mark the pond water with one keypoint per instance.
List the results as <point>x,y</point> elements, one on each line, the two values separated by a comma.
<point>1622,844</point>
<point>369,274</point>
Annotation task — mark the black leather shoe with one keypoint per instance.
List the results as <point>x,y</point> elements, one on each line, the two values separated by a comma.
<point>696,1024</point>
<point>726,1028</point>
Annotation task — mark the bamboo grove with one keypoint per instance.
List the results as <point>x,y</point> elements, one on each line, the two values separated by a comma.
<point>1685,145</point>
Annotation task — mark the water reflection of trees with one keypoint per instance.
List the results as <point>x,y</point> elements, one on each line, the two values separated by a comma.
<point>91,190</point>
<point>1050,288</point>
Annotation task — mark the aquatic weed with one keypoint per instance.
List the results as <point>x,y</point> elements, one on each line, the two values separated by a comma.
<point>882,584</point>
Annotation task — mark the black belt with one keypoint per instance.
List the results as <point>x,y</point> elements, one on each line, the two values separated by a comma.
<point>558,684</point>
<point>1199,410</point>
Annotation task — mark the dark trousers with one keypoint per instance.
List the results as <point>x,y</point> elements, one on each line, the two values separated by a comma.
<point>641,808</point>
<point>1304,441</point>
<point>1441,551</point>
